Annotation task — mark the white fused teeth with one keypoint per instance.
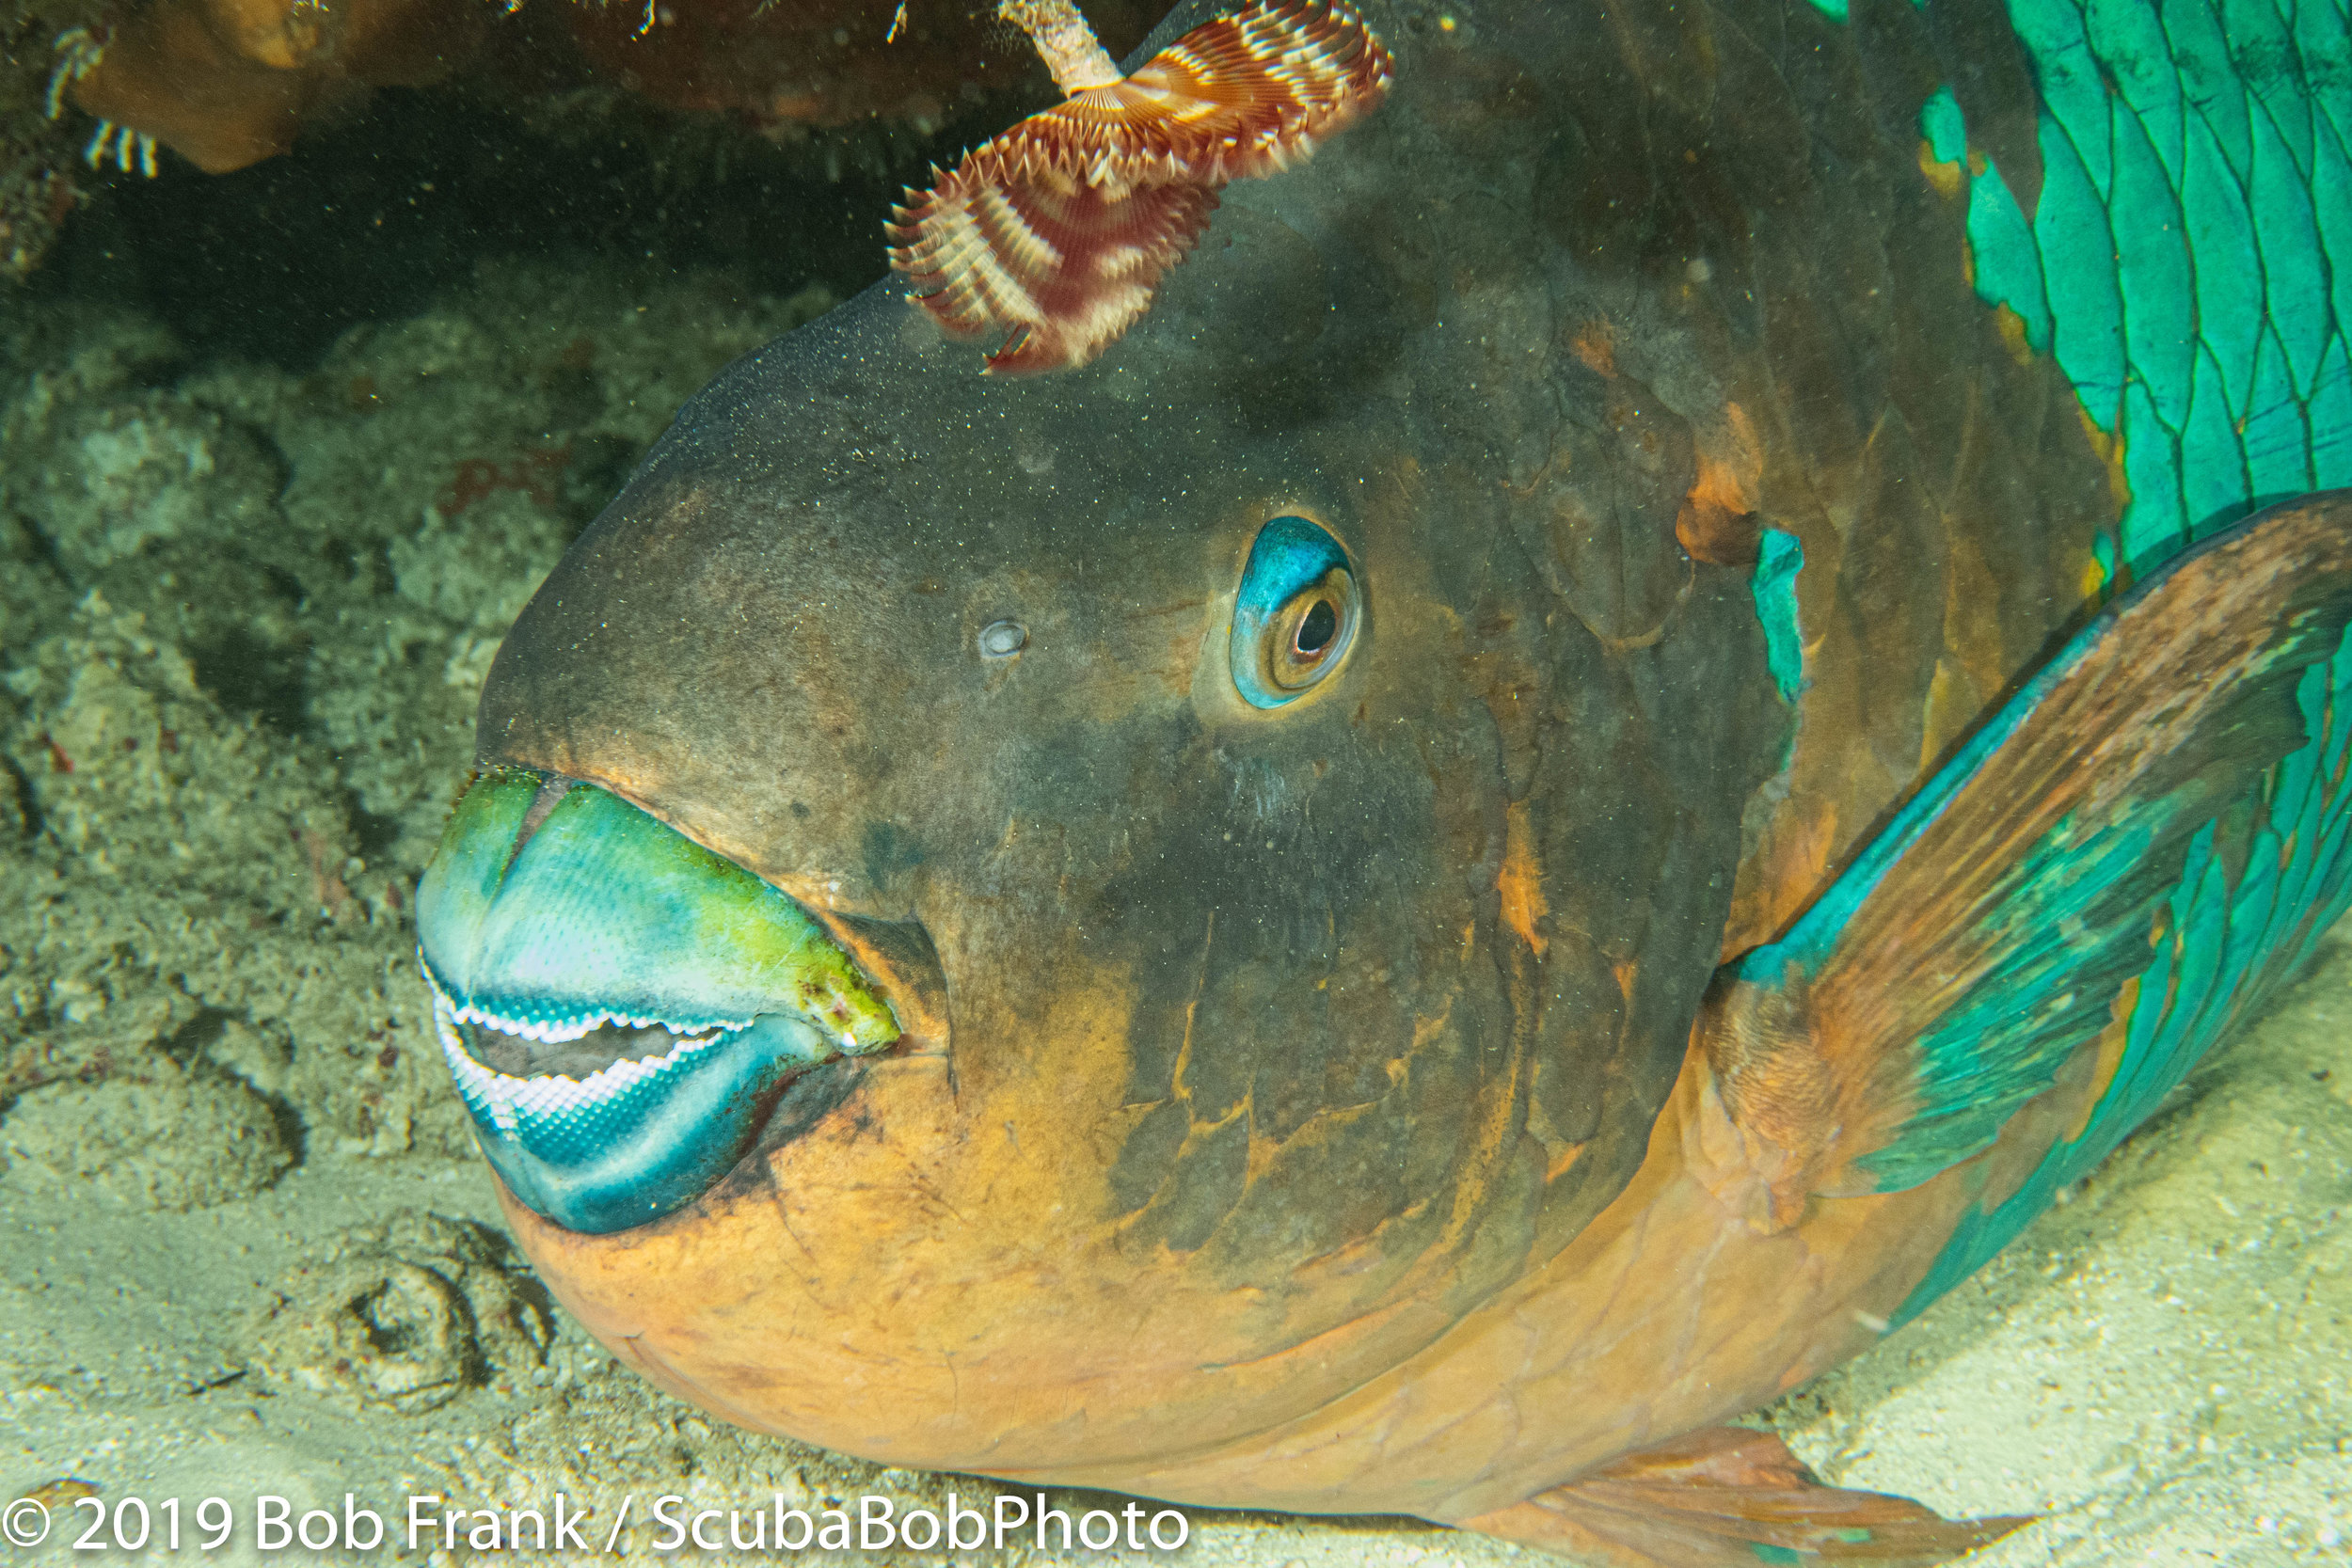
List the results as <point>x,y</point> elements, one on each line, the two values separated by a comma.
<point>571,1029</point>
<point>504,1097</point>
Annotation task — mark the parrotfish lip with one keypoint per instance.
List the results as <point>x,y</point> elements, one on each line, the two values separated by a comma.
<point>621,1007</point>
<point>634,1140</point>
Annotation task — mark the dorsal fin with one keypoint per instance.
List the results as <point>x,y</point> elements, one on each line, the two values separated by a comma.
<point>1984,938</point>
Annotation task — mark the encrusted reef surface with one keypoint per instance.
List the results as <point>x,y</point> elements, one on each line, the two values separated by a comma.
<point>94,93</point>
<point>252,570</point>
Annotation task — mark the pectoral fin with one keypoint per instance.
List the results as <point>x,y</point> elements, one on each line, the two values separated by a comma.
<point>1985,937</point>
<point>1730,1497</point>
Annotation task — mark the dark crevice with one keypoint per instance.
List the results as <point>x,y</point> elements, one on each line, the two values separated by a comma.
<point>374,218</point>
<point>44,552</point>
<point>292,1131</point>
<point>599,467</point>
<point>190,1046</point>
<point>196,1037</point>
<point>248,674</point>
<point>27,802</point>
<point>373,836</point>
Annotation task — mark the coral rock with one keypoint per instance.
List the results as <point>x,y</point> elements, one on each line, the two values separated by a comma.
<point>227,83</point>
<point>145,469</point>
<point>174,1139</point>
<point>406,1315</point>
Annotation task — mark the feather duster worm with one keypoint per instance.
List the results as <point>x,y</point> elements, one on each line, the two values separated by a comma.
<point>1058,231</point>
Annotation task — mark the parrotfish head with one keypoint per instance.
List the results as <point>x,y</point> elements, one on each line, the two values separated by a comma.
<point>1029,926</point>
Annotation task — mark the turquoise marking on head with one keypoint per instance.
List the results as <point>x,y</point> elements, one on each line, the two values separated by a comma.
<point>1779,558</point>
<point>1288,554</point>
<point>1941,123</point>
<point>618,1004</point>
<point>2001,241</point>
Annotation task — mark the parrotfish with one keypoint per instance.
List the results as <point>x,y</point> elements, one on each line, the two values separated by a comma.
<point>1650,702</point>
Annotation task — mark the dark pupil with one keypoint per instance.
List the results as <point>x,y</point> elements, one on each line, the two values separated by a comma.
<point>1314,632</point>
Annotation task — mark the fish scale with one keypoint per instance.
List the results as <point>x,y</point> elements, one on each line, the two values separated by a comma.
<point>2260,192</point>
<point>1642,710</point>
<point>2228,314</point>
<point>2212,489</point>
<point>2279,431</point>
<point>2143,266</point>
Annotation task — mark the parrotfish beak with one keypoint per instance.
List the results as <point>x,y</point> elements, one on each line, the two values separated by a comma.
<point>620,1006</point>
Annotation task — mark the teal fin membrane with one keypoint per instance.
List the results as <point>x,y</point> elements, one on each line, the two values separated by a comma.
<point>619,1005</point>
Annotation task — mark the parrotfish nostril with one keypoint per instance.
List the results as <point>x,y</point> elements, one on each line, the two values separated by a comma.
<point>619,1004</point>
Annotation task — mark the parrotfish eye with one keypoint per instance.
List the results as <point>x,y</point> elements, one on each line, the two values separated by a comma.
<point>1296,613</point>
<point>1316,632</point>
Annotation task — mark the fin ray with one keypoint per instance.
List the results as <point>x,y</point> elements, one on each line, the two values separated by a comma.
<point>1731,1498</point>
<point>2112,820</point>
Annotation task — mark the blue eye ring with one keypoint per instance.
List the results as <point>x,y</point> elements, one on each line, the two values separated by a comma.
<point>1296,613</point>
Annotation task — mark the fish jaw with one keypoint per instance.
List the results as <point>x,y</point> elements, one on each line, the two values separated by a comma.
<point>620,1009</point>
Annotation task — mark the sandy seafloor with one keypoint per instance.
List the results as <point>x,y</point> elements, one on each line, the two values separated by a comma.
<point>244,1247</point>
